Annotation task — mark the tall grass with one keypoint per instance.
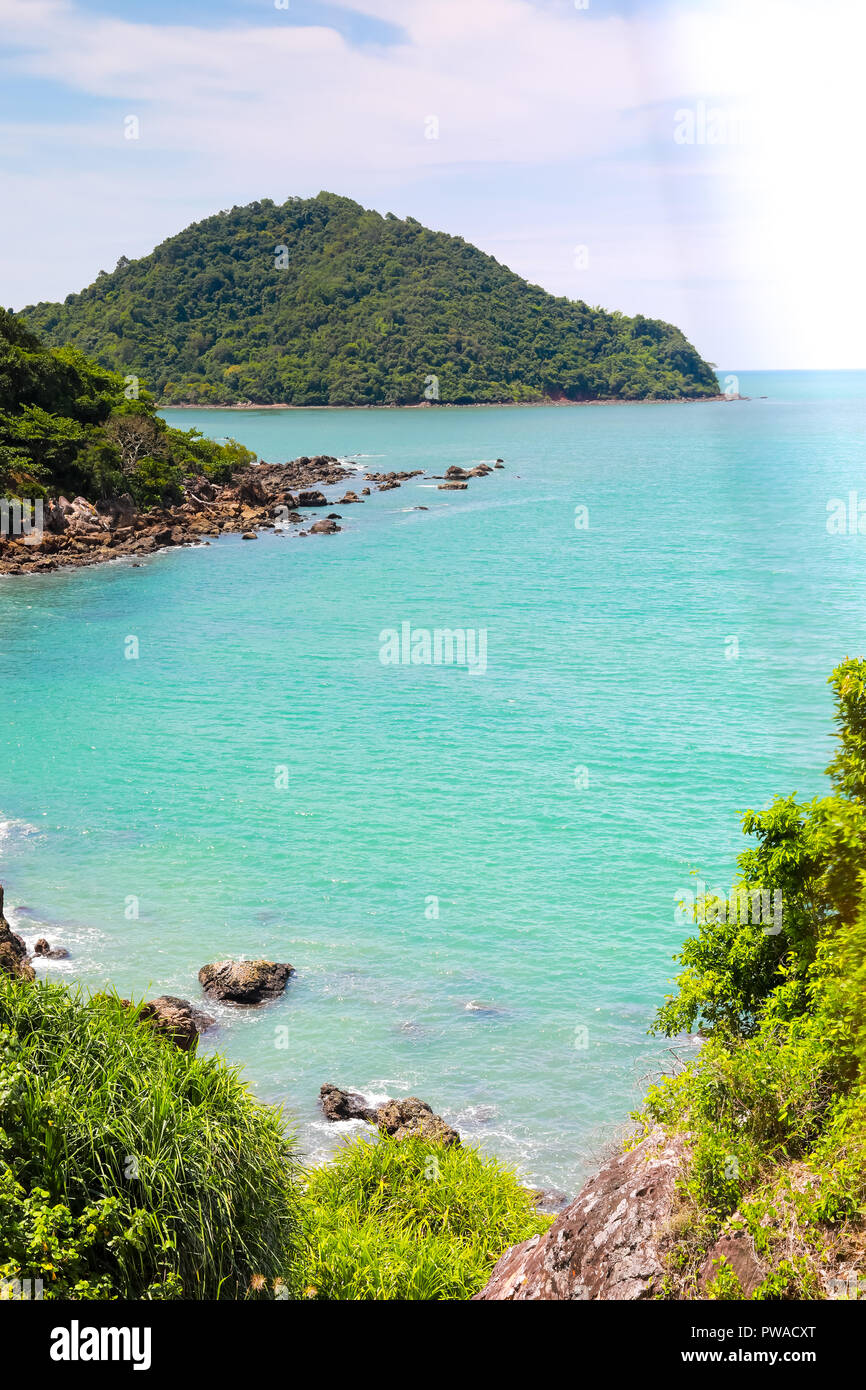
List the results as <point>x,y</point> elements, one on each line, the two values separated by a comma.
<point>404,1219</point>
<point>131,1169</point>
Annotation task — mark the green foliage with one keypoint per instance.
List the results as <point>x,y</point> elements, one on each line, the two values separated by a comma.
<point>778,1091</point>
<point>130,1169</point>
<point>410,1220</point>
<point>70,426</point>
<point>358,310</point>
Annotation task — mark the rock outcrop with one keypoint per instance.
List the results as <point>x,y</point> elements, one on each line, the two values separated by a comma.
<point>413,1117</point>
<point>245,981</point>
<point>177,1019</point>
<point>13,952</point>
<point>609,1243</point>
<point>399,1118</point>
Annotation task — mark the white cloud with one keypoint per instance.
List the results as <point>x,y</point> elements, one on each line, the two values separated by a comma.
<point>264,108</point>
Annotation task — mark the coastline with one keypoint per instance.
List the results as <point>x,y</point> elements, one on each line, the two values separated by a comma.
<point>261,497</point>
<point>463,405</point>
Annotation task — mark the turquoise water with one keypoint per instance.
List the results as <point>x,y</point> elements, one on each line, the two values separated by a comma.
<point>154,779</point>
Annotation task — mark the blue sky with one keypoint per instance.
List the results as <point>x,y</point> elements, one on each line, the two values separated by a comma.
<point>688,159</point>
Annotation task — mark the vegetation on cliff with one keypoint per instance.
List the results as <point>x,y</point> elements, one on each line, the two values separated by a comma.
<point>70,426</point>
<point>132,1169</point>
<point>320,302</point>
<point>774,1107</point>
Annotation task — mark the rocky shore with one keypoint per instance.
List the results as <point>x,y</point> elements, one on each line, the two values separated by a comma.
<point>265,496</point>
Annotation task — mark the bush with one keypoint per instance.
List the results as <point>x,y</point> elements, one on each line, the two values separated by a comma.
<point>410,1220</point>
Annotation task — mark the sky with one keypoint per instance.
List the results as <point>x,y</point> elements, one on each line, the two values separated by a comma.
<point>698,161</point>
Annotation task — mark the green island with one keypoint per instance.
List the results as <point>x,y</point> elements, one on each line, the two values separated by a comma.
<point>318,301</point>
<point>132,1169</point>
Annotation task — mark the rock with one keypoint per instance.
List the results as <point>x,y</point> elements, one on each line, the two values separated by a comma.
<point>245,981</point>
<point>253,492</point>
<point>324,528</point>
<point>548,1199</point>
<point>738,1248</point>
<point>162,536</point>
<point>13,952</point>
<point>344,1105</point>
<point>455,472</point>
<point>401,1119</point>
<point>312,499</point>
<point>405,1118</point>
<point>350,497</point>
<point>365,492</point>
<point>497,464</point>
<point>453,487</point>
<point>610,1242</point>
<point>177,1018</point>
<point>43,949</point>
<point>249,536</point>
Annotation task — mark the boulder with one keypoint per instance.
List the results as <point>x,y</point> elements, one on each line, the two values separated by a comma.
<point>43,949</point>
<point>249,536</point>
<point>453,487</point>
<point>245,981</point>
<point>177,1019</point>
<point>253,492</point>
<point>312,499</point>
<point>609,1243</point>
<point>410,1117</point>
<point>324,528</point>
<point>13,952</point>
<point>344,1105</point>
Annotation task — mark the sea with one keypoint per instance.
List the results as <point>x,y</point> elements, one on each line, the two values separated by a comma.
<point>282,749</point>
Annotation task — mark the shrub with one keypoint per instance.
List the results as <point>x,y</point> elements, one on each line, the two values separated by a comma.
<point>410,1220</point>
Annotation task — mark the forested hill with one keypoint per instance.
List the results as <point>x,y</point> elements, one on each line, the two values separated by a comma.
<point>319,302</point>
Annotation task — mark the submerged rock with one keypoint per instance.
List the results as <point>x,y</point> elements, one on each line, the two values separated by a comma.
<point>610,1242</point>
<point>43,949</point>
<point>548,1199</point>
<point>245,981</point>
<point>13,952</point>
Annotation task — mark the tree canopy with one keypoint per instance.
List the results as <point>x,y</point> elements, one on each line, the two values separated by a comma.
<point>320,302</point>
<point>70,425</point>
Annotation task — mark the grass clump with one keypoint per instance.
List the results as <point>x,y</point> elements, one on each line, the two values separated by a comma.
<point>130,1169</point>
<point>404,1219</point>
